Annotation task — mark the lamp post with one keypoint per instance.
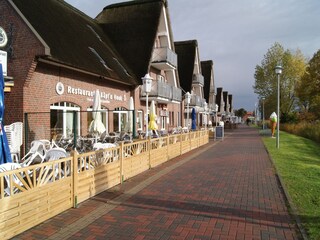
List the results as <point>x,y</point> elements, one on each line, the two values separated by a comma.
<point>262,113</point>
<point>147,83</point>
<point>217,108</point>
<point>255,113</point>
<point>188,98</point>
<point>278,70</point>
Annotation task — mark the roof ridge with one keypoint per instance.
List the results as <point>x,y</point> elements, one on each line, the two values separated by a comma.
<point>187,42</point>
<point>133,2</point>
<point>207,62</point>
<point>75,9</point>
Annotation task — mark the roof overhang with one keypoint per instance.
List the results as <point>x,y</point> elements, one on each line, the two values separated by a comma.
<point>57,64</point>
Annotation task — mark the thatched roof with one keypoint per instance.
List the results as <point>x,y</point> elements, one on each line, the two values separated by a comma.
<point>207,70</point>
<point>230,101</point>
<point>75,39</point>
<point>219,98</point>
<point>132,27</point>
<point>226,100</point>
<point>186,51</point>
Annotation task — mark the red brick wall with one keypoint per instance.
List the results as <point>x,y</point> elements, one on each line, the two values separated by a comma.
<point>25,46</point>
<point>35,83</point>
<point>41,93</point>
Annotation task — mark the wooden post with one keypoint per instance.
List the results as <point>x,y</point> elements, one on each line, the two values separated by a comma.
<point>180,143</point>
<point>167,139</point>
<point>149,149</point>
<point>75,178</point>
<point>121,162</point>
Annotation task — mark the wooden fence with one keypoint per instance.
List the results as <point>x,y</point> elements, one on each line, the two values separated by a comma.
<point>31,195</point>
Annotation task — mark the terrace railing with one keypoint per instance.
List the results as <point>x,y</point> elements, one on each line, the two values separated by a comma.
<point>31,192</point>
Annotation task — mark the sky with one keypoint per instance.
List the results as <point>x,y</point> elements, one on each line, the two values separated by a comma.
<point>236,35</point>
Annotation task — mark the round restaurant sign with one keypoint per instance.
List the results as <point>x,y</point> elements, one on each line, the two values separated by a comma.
<point>60,88</point>
<point>3,38</point>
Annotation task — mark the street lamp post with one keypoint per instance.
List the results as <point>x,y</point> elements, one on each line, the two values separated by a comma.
<point>278,70</point>
<point>217,108</point>
<point>147,83</point>
<point>262,113</point>
<point>188,98</point>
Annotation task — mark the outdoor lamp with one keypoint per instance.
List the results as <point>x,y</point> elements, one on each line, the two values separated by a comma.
<point>278,70</point>
<point>188,99</point>
<point>147,83</point>
<point>262,112</point>
<point>146,87</point>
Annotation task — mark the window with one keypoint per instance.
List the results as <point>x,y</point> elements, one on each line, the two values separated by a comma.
<point>163,122</point>
<point>104,116</point>
<point>64,116</point>
<point>139,120</point>
<point>120,118</point>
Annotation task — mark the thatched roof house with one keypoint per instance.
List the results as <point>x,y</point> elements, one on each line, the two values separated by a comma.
<point>219,100</point>
<point>134,27</point>
<point>71,38</point>
<point>208,89</point>
<point>187,53</point>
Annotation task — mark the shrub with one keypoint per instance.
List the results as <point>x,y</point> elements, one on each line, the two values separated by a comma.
<point>304,129</point>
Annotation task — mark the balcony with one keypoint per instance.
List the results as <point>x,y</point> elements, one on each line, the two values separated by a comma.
<point>164,59</point>
<point>195,101</point>
<point>176,94</point>
<point>198,79</point>
<point>163,93</point>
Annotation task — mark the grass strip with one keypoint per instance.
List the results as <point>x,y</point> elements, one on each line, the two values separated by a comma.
<point>298,164</point>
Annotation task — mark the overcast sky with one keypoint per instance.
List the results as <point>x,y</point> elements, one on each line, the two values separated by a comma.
<point>236,34</point>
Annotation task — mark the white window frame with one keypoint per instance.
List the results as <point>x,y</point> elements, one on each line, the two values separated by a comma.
<point>119,112</point>
<point>139,120</point>
<point>103,111</point>
<point>67,107</point>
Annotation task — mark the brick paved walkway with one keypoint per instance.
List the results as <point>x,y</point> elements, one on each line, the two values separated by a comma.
<point>224,190</point>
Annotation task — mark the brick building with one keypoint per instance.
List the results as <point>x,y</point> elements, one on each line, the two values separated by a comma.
<point>58,57</point>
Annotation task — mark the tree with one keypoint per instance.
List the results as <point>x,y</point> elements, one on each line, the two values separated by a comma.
<point>240,112</point>
<point>308,89</point>
<point>293,63</point>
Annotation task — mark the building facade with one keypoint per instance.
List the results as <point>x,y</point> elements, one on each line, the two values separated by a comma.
<point>57,57</point>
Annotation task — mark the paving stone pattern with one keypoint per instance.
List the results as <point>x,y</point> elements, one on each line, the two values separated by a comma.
<point>224,190</point>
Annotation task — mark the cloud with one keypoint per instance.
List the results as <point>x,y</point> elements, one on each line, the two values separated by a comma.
<point>237,34</point>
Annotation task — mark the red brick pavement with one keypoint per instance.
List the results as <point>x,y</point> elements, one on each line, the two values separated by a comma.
<point>227,190</point>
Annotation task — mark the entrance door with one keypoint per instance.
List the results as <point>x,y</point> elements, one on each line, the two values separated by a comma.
<point>120,118</point>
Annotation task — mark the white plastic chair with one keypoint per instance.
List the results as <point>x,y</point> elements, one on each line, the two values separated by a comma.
<point>7,167</point>
<point>98,145</point>
<point>13,152</point>
<point>46,143</point>
<point>55,154</point>
<point>14,133</point>
<point>38,150</point>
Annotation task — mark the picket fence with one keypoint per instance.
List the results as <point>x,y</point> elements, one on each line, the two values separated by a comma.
<point>31,195</point>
